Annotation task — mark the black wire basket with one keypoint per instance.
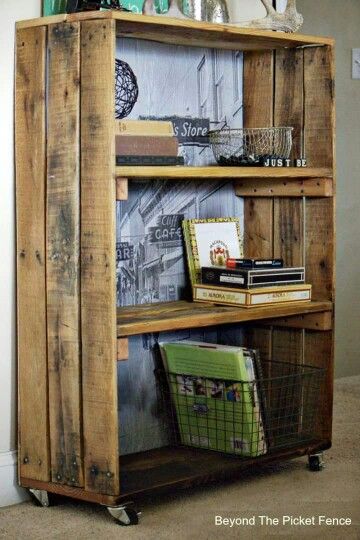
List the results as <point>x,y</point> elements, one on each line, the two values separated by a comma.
<point>244,418</point>
<point>250,146</point>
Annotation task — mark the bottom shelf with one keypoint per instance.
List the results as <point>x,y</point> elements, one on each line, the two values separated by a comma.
<point>165,467</point>
<point>168,468</point>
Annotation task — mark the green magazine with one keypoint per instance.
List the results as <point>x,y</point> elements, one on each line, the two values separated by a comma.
<point>214,391</point>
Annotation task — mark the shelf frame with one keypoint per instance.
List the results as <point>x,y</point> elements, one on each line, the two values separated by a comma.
<point>77,453</point>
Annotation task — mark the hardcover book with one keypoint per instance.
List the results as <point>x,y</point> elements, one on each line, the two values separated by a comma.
<point>209,242</point>
<point>139,145</point>
<point>215,394</point>
<point>145,128</point>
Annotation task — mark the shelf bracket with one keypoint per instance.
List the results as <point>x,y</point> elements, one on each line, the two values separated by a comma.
<point>122,349</point>
<point>284,187</point>
<point>122,189</point>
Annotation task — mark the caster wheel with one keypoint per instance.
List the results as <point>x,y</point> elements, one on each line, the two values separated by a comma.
<point>124,515</point>
<point>40,497</point>
<point>316,462</point>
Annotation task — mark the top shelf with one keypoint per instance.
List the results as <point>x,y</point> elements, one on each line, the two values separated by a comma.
<point>187,31</point>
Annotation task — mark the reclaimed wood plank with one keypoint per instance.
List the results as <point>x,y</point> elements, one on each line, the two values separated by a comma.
<point>319,120</point>
<point>98,243</point>
<point>317,187</point>
<point>165,316</point>
<point>30,155</point>
<point>204,173</point>
<point>319,348</point>
<point>63,251</point>
<point>319,145</point>
<point>259,212</point>
<point>187,31</point>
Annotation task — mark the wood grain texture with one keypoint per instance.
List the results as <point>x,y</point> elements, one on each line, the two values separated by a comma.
<point>188,31</point>
<point>319,347</point>
<point>63,251</point>
<point>318,187</point>
<point>258,102</point>
<point>258,112</point>
<point>98,242</point>
<point>319,144</point>
<point>165,316</point>
<point>310,321</point>
<point>34,459</point>
<point>122,189</point>
<point>319,118</point>
<point>122,349</point>
<point>319,247</point>
<point>289,215</point>
<point>203,173</point>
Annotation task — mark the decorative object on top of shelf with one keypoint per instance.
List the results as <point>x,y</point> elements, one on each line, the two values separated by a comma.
<point>214,11</point>
<point>250,146</point>
<point>288,21</point>
<point>202,10</point>
<point>173,11</point>
<point>54,7</point>
<point>73,6</point>
<point>126,89</point>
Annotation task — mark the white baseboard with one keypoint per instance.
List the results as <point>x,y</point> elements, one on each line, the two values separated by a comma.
<point>10,492</point>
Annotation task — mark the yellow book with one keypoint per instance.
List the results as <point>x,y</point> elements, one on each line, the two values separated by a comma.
<point>146,128</point>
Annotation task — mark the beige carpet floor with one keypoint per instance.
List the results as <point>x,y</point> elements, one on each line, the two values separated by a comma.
<point>286,489</point>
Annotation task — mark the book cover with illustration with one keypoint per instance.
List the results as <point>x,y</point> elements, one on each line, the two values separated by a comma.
<point>209,242</point>
<point>214,391</point>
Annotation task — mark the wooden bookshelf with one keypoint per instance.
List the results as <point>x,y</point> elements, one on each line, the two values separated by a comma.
<point>67,321</point>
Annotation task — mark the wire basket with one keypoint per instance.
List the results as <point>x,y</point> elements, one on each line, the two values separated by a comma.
<point>250,146</point>
<point>244,418</point>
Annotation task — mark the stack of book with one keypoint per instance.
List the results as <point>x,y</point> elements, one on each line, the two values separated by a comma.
<point>220,275</point>
<point>146,142</point>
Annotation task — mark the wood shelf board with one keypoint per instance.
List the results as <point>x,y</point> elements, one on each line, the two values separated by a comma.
<point>252,173</point>
<point>160,317</point>
<point>169,467</point>
<point>184,466</point>
<point>187,31</point>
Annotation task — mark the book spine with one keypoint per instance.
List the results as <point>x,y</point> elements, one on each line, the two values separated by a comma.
<point>149,128</point>
<point>149,160</point>
<point>146,146</point>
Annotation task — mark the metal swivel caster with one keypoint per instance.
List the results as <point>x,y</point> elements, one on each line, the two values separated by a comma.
<point>40,496</point>
<point>316,461</point>
<point>125,515</point>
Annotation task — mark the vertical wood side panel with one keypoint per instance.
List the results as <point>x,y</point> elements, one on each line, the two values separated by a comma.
<point>30,154</point>
<point>319,349</point>
<point>289,212</point>
<point>319,143</point>
<point>258,112</point>
<point>63,230</point>
<point>98,242</point>
<point>320,213</point>
<point>259,212</point>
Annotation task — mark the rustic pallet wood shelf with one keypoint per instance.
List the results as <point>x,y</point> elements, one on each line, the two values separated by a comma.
<point>69,331</point>
<point>169,315</point>
<point>188,32</point>
<point>199,173</point>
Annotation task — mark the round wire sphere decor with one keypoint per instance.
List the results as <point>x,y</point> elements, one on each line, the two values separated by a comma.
<point>126,89</point>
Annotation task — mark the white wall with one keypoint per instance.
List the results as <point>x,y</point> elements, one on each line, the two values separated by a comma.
<point>10,11</point>
<point>342,21</point>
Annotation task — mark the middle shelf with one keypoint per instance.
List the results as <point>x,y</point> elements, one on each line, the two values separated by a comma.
<point>161,317</point>
<point>132,171</point>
